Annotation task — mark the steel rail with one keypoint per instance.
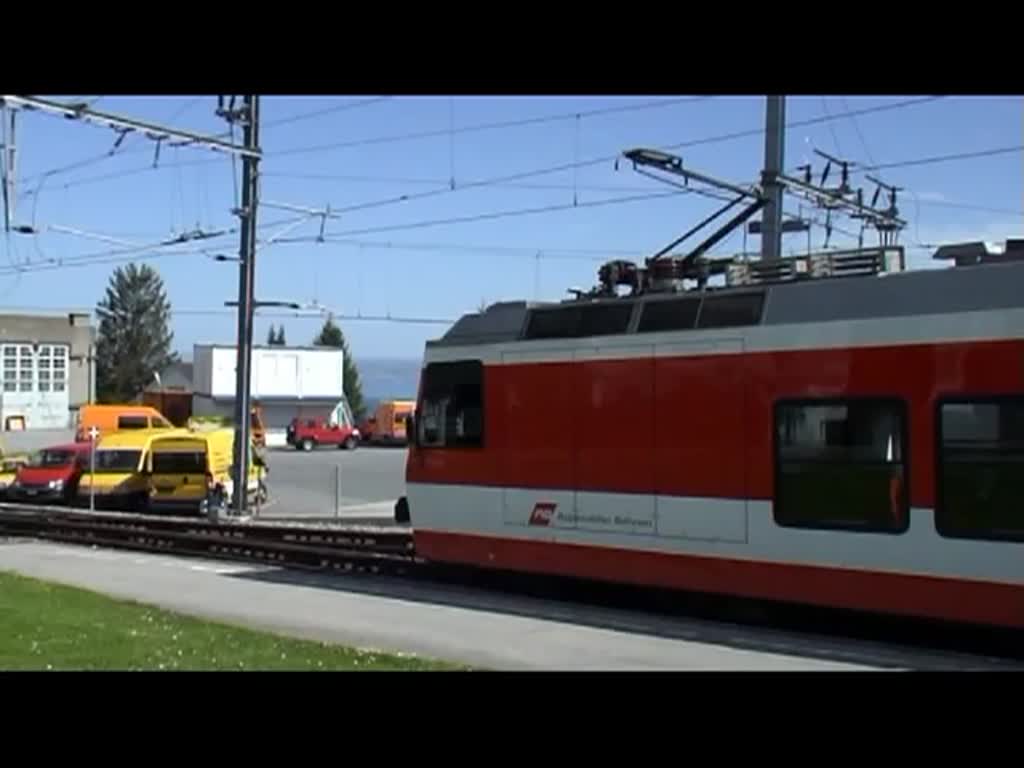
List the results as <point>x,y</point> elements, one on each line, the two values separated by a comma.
<point>283,545</point>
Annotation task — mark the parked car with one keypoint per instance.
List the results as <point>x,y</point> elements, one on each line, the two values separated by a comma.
<point>52,474</point>
<point>307,434</point>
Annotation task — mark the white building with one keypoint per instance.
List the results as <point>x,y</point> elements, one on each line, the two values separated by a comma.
<point>46,359</point>
<point>287,382</point>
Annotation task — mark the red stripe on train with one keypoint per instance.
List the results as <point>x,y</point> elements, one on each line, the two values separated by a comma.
<point>925,596</point>
<point>697,426</point>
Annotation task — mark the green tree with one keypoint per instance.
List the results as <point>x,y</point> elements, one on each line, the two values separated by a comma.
<point>134,336</point>
<point>271,336</point>
<point>331,336</point>
<point>280,337</point>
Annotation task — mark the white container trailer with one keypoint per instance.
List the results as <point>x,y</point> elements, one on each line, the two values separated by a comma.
<point>278,373</point>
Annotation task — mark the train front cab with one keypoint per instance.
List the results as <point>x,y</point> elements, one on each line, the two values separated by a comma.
<point>445,434</point>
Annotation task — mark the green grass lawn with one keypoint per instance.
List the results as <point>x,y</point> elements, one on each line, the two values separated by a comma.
<point>50,626</point>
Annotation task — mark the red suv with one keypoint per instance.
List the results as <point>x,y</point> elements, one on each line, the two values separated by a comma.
<point>52,474</point>
<point>307,434</point>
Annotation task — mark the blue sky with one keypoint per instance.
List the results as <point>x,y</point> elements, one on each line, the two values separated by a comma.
<point>377,264</point>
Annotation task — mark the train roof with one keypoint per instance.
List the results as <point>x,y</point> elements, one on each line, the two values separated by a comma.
<point>755,296</point>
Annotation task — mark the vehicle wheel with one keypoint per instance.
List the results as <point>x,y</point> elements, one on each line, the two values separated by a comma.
<point>350,443</point>
<point>307,445</point>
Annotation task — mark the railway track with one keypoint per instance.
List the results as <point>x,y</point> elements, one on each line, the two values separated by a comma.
<point>325,547</point>
<point>317,547</point>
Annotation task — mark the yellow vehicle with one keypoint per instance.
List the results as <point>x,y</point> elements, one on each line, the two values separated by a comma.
<point>9,464</point>
<point>120,479</point>
<point>188,472</point>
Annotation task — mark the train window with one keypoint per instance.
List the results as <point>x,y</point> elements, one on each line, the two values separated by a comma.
<point>451,407</point>
<point>580,320</point>
<point>980,465</point>
<point>673,315</point>
<point>605,319</point>
<point>841,464</point>
<point>729,311</point>
<point>552,323</point>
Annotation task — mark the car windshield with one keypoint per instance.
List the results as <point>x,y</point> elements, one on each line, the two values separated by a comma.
<point>117,460</point>
<point>52,458</point>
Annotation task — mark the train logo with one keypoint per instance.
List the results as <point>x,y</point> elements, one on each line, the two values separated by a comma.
<point>543,513</point>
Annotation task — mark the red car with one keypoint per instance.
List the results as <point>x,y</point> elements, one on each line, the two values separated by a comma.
<point>52,474</point>
<point>307,434</point>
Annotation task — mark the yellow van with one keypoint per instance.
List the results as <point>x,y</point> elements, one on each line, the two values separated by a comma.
<point>187,470</point>
<point>119,479</point>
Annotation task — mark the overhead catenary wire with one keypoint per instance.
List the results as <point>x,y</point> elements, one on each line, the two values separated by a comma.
<point>348,106</point>
<point>491,126</point>
<point>551,208</point>
<point>140,250</point>
<point>317,314</point>
<point>119,149</point>
<point>496,180</point>
<point>491,215</point>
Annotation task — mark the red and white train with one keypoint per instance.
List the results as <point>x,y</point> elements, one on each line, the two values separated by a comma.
<point>851,441</point>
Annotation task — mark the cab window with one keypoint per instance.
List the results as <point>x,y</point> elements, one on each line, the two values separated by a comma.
<point>451,410</point>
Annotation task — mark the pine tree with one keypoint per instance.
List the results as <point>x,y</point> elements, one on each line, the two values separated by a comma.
<point>134,336</point>
<point>271,336</point>
<point>280,337</point>
<point>331,336</point>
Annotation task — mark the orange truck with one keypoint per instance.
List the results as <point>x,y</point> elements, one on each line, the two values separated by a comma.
<point>389,422</point>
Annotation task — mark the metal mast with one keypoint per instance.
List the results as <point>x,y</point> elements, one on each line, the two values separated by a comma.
<point>248,115</point>
<point>774,155</point>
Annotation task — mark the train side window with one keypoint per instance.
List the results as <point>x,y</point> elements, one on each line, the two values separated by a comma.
<point>451,407</point>
<point>731,310</point>
<point>578,321</point>
<point>605,319</point>
<point>980,461</point>
<point>553,323</point>
<point>671,315</point>
<point>842,465</point>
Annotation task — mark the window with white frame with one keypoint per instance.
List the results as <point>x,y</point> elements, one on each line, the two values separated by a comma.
<point>27,370</point>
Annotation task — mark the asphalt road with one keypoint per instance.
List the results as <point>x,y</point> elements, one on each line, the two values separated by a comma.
<point>459,624</point>
<point>304,485</point>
